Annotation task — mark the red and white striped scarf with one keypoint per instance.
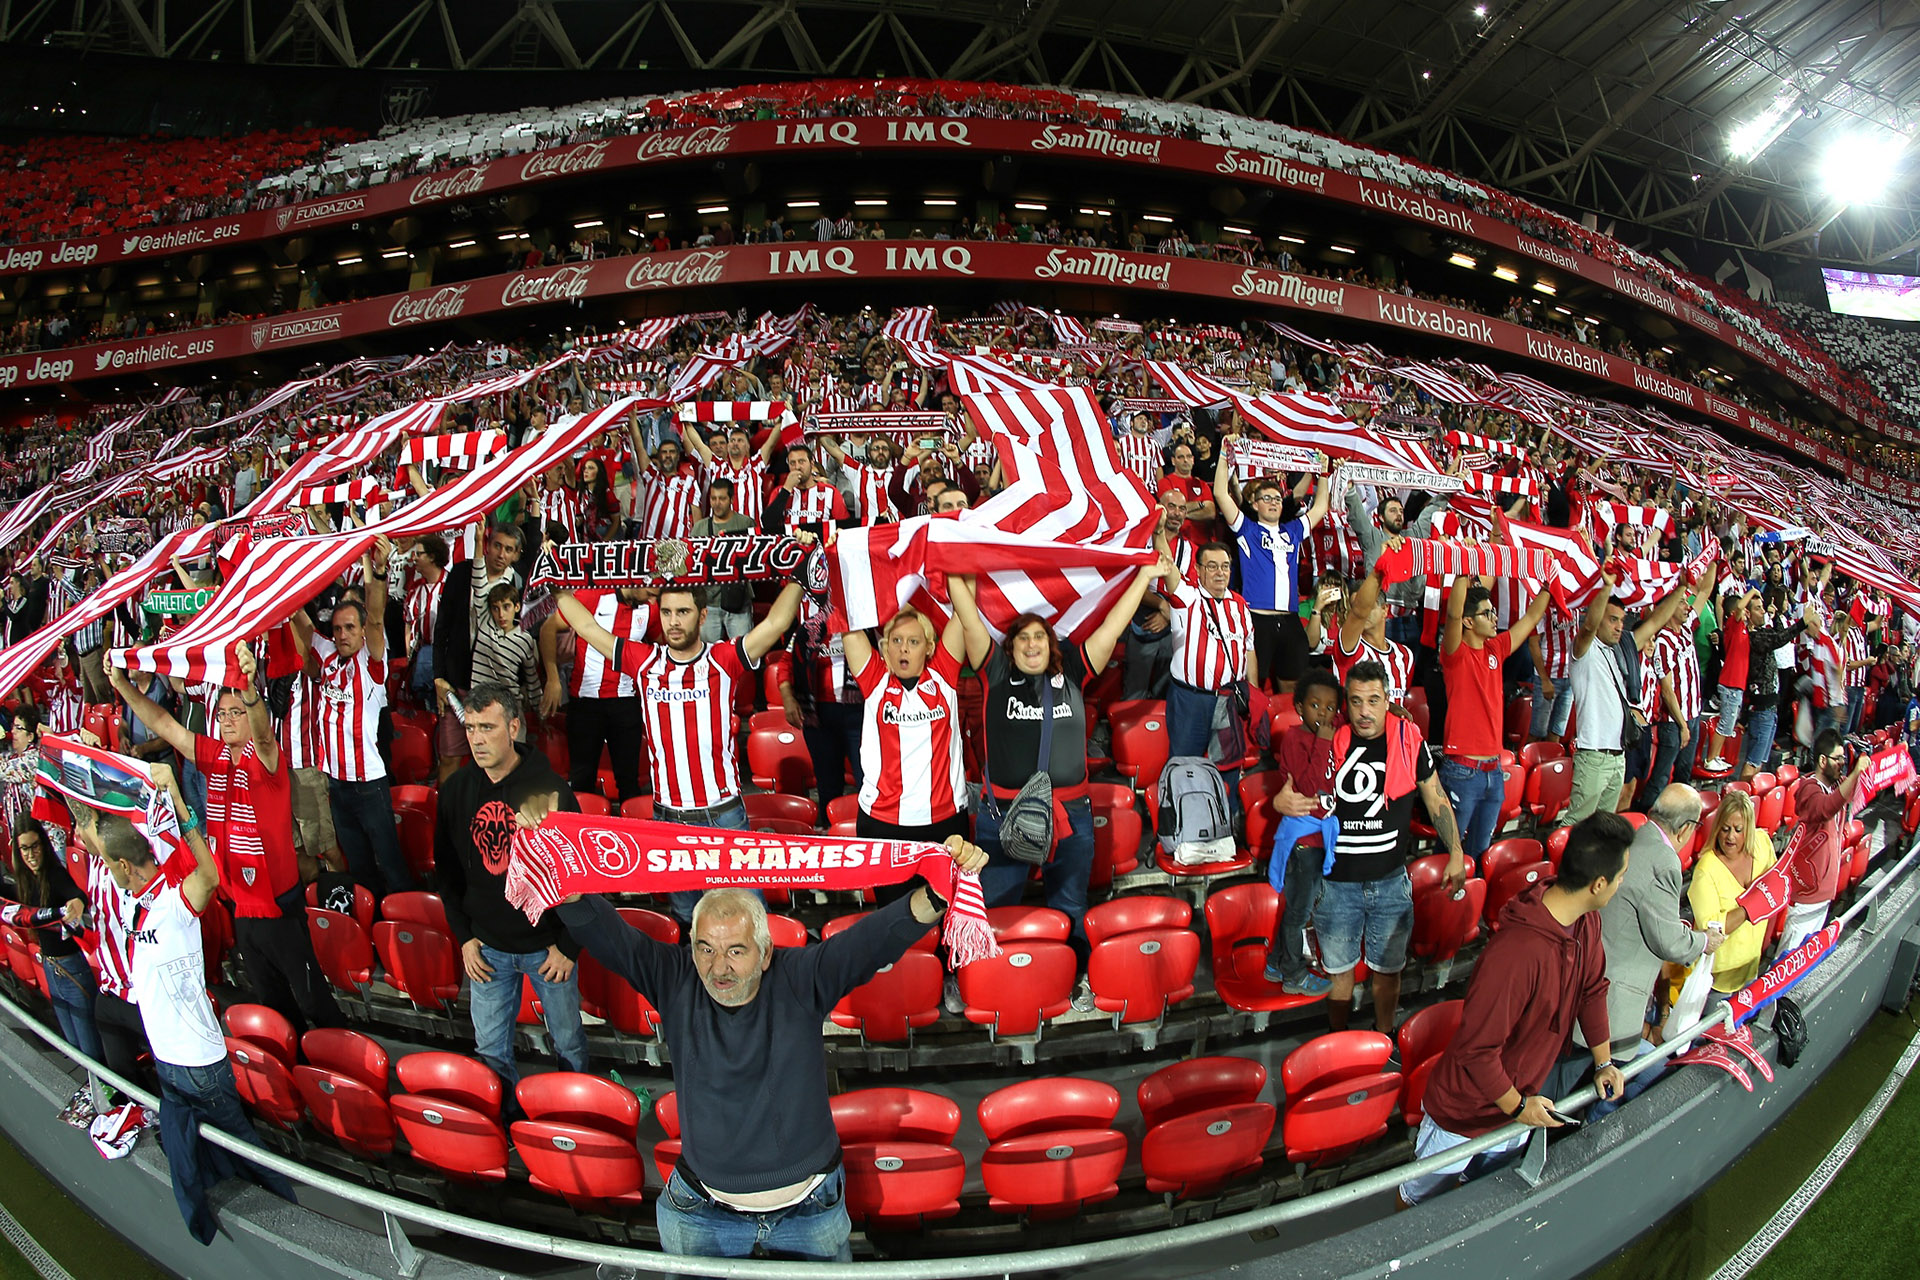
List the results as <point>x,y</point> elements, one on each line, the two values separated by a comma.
<point>466,449</point>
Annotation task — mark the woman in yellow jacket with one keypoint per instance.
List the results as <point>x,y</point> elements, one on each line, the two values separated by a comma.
<point>1736,854</point>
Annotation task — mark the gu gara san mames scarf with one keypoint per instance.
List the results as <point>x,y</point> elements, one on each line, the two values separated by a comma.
<point>571,853</point>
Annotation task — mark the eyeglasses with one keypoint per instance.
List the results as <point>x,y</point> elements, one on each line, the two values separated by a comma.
<point>230,713</point>
<point>1487,613</point>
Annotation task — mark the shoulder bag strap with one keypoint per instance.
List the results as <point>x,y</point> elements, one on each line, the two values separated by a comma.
<point>1045,762</point>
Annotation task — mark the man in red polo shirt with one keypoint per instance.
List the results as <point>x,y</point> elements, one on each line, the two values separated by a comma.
<point>1472,652</point>
<point>250,826</point>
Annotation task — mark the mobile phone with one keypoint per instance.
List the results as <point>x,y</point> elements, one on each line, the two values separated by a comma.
<point>1567,1120</point>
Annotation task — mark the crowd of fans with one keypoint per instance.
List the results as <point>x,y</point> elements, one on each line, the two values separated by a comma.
<point>1284,623</point>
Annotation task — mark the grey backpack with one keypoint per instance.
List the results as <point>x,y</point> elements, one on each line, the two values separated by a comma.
<point>1196,823</point>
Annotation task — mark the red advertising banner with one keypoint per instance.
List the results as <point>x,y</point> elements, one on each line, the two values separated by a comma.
<point>808,262</point>
<point>772,138</point>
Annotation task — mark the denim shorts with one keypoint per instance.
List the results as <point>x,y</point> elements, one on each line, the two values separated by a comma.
<point>1376,913</point>
<point>1730,700</point>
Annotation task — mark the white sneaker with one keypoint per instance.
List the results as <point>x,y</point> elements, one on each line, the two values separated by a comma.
<point>1716,765</point>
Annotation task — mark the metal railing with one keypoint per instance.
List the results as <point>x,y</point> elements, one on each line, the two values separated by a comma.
<point>407,1260</point>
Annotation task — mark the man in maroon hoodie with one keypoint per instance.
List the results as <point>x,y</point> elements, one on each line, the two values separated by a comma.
<point>1544,971</point>
<point>1822,804</point>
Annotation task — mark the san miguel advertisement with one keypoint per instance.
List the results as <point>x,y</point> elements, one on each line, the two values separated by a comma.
<point>808,262</point>
<point>773,138</point>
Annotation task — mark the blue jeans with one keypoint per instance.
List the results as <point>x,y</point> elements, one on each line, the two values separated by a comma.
<point>195,1096</point>
<point>1550,718</point>
<point>1300,893</point>
<point>363,824</point>
<point>495,1006</point>
<point>733,818</point>
<point>71,984</point>
<point>1476,796</point>
<point>1190,733</point>
<point>815,1230</point>
<point>1856,700</point>
<point>1065,875</point>
<point>1670,759</point>
<point>1761,723</point>
<point>1370,916</point>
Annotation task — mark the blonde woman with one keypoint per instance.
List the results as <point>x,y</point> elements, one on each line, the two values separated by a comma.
<point>1737,853</point>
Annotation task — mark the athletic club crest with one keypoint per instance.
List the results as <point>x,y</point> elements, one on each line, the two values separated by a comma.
<point>669,558</point>
<point>283,217</point>
<point>246,873</point>
<point>259,335</point>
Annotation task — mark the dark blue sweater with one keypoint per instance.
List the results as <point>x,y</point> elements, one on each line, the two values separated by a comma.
<point>752,1080</point>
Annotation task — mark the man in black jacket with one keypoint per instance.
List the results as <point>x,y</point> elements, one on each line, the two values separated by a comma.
<point>463,606</point>
<point>759,1162</point>
<point>473,838</point>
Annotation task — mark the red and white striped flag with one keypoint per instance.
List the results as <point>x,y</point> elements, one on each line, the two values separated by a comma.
<point>714,411</point>
<point>464,449</point>
<point>909,325</point>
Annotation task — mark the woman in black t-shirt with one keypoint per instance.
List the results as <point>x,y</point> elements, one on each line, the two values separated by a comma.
<point>1027,669</point>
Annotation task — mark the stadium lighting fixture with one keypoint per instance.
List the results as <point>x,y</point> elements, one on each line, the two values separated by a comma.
<point>391,254</point>
<point>1289,239</point>
<point>1029,206</point>
<point>347,262</point>
<point>589,224</point>
<point>1479,11</point>
<point>1341,248</point>
<point>461,244</point>
<point>1462,260</point>
<point>1756,135</point>
<point>1857,168</point>
<point>803,204</point>
<point>870,204</point>
<point>1096,213</point>
<point>711,208</point>
<point>1155,217</point>
<point>1541,286</point>
<point>939,202</point>
<point>1508,274</point>
<point>1239,231</point>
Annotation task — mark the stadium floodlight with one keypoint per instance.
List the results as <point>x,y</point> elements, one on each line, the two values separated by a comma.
<point>1858,167</point>
<point>1756,135</point>
<point>1464,260</point>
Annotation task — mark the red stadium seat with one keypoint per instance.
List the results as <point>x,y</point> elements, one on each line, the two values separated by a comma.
<point>1535,753</point>
<point>897,1186</point>
<point>1557,845</point>
<point>1330,1059</point>
<point>1519,719</point>
<point>421,963</point>
<point>1513,798</point>
<point>593,804</point>
<point>1443,923</point>
<point>465,1144</point>
<point>1201,871</point>
<point>574,1097</point>
<point>363,909</point>
<point>1140,745</point>
<point>1512,852</point>
<point>1511,884</point>
<point>659,927</point>
<point>786,808</point>
<point>786,931</point>
<point>666,1152</point>
<point>412,754</point>
<point>1764,782</point>
<point>416,842</point>
<point>265,1083</point>
<point>424,798</point>
<point>347,1053</point>
<point>453,1077</point>
<point>1198,1084</point>
<point>1241,920</point>
<point>1138,975</point>
<point>1549,788</point>
<point>1257,791</point>
<point>1413,1093</point>
<point>1131,914</point>
<point>1332,1122</point>
<point>416,907</point>
<point>1427,1032</point>
<point>895,1115</point>
<point>1430,872</point>
<point>589,1168</point>
<point>268,1029</point>
<point>927,941</point>
<point>1116,834</point>
<point>346,1110</point>
<point>1035,924</point>
<point>843,809</point>
<point>1056,1102</point>
<point>888,1006</point>
<point>342,948</point>
<point>637,807</point>
<point>1769,810</point>
<point>1197,1154</point>
<point>777,755</point>
<point>1052,1174</point>
<point>1016,991</point>
<point>1418,710</point>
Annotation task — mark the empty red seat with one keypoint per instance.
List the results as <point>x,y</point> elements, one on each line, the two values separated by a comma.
<point>265,1083</point>
<point>1014,924</point>
<point>1137,912</point>
<point>1137,975</point>
<point>1511,884</point>
<point>1198,1084</point>
<point>1443,923</point>
<point>465,1144</point>
<point>588,1167</point>
<point>593,804</point>
<point>1257,791</point>
<point>1430,872</point>
<point>895,1115</point>
<point>352,1114</point>
<point>1557,845</point>
<point>424,798</point>
<point>1427,1032</point>
<point>762,806</point>
<point>362,903</point>
<point>421,963</point>
<point>1055,1102</point>
<point>1023,986</point>
<point>452,1076</point>
<point>1512,852</point>
<point>888,1006</point>
<point>267,1029</point>
<point>897,1186</point>
<point>1769,810</point>
<point>659,927</point>
<point>347,1053</point>
<point>1549,788</point>
<point>1331,1058</point>
<point>1241,921</point>
<point>415,827</point>
<point>637,807</point>
<point>777,755</point>
<point>1053,1173</point>
<point>416,906</point>
<point>786,931</point>
<point>1139,736</point>
<point>1513,798</point>
<point>1116,834</point>
<point>412,754</point>
<point>1535,753</point>
<point>574,1097</point>
<point>927,941</point>
<point>1519,719</point>
<point>1197,1154</point>
<point>1335,1120</point>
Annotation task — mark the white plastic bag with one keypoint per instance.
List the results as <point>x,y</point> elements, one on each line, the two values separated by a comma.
<point>1692,1000</point>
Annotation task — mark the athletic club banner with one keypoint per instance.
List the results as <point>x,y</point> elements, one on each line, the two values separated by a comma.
<point>603,566</point>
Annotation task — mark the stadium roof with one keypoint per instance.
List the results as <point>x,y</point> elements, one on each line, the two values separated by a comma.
<point>1624,109</point>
